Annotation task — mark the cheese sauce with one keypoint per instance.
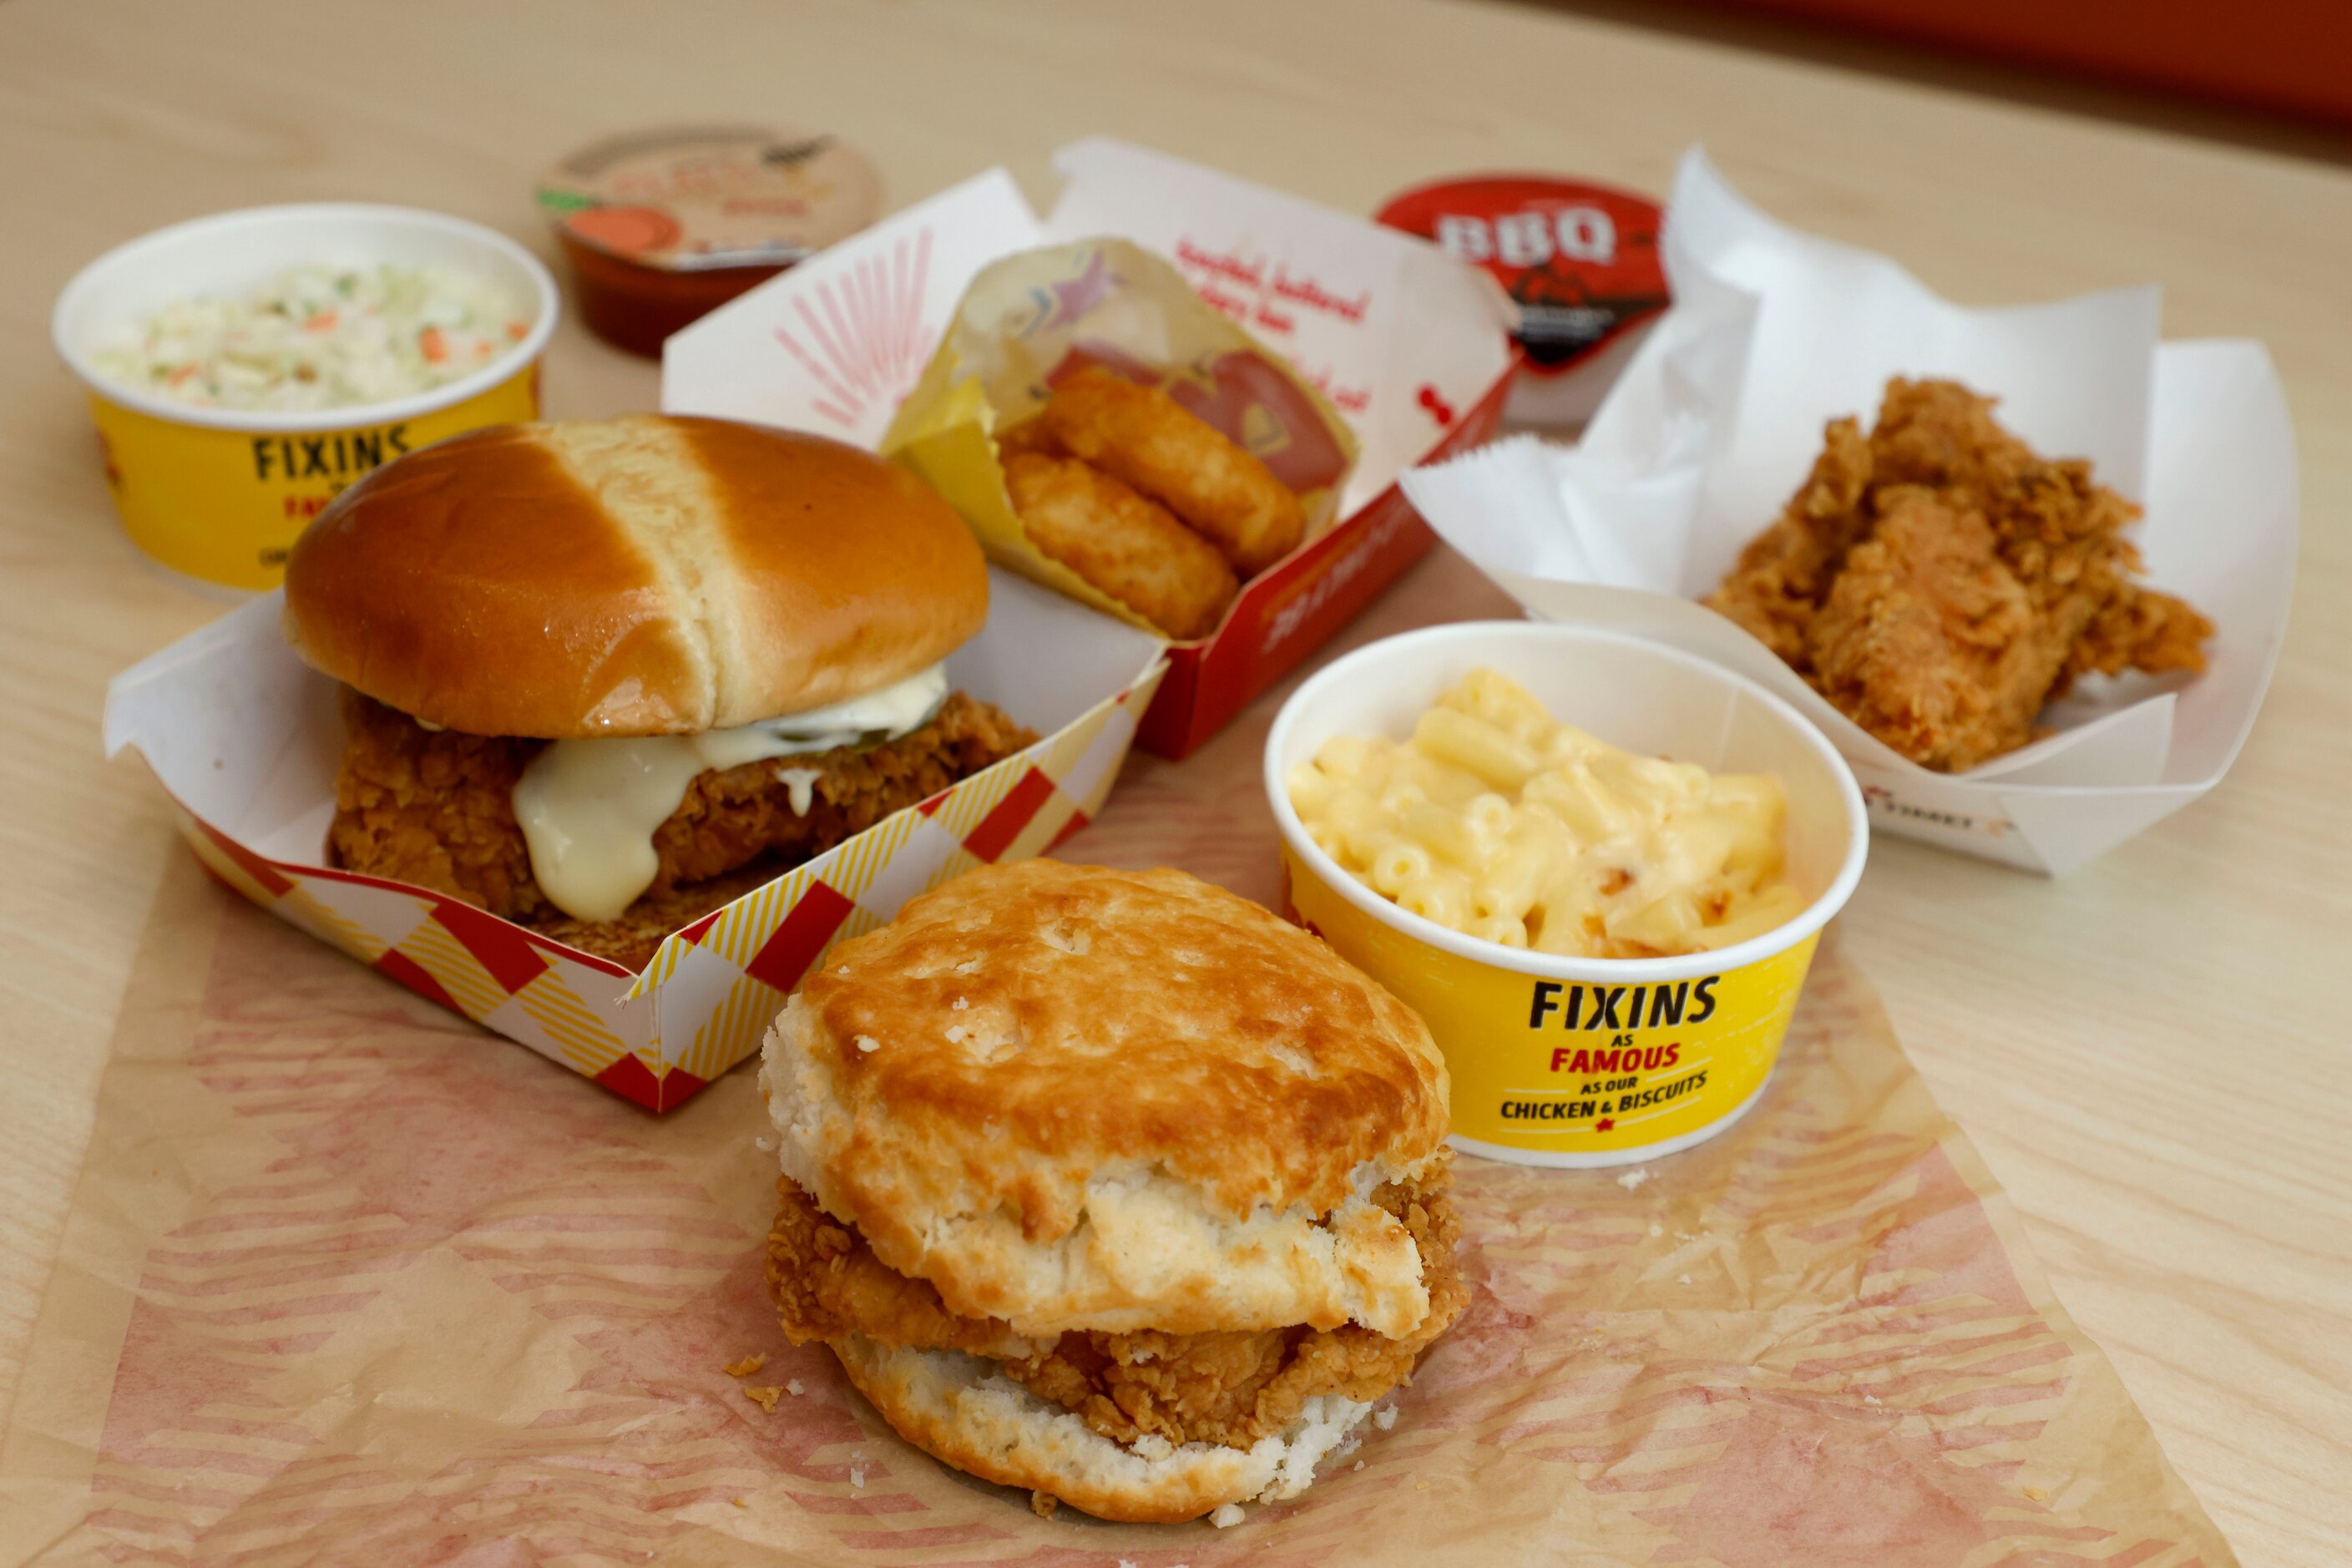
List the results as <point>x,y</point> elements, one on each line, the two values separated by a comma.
<point>589,809</point>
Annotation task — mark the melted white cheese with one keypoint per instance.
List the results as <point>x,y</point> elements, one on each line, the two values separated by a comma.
<point>589,808</point>
<point>798,783</point>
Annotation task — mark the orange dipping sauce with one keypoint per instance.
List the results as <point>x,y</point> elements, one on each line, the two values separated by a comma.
<point>663,226</point>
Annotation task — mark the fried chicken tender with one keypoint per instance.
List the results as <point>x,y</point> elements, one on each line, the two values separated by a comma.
<point>1123,543</point>
<point>1940,584</point>
<point>1229,1388</point>
<point>1147,440</point>
<point>1784,575</point>
<point>1029,435</point>
<point>435,808</point>
<point>1928,639</point>
<point>2144,630</point>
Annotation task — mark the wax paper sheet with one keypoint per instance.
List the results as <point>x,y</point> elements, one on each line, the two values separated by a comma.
<point>349,1280</point>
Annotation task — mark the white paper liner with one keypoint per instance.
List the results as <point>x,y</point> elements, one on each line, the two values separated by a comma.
<point>1719,416</point>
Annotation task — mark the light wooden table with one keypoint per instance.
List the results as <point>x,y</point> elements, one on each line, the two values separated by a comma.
<point>2151,1054</point>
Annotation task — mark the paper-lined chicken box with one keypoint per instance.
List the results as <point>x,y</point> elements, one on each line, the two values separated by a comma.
<point>1178,398</point>
<point>248,740</point>
<point>2027,567</point>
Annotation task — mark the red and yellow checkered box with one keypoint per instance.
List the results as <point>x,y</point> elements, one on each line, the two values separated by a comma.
<point>245,738</point>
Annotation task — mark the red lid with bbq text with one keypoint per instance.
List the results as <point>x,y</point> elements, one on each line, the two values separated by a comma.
<point>1581,260</point>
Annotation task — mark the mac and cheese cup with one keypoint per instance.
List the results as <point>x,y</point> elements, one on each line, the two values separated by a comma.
<point>1580,1061</point>
<point>218,495</point>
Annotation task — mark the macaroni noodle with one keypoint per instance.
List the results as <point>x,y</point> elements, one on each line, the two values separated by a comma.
<point>1498,822</point>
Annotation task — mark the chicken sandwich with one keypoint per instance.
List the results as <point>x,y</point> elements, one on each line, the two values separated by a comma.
<point>1110,1186</point>
<point>603,676</point>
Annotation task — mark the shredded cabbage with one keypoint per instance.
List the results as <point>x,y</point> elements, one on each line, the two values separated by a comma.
<point>321,337</point>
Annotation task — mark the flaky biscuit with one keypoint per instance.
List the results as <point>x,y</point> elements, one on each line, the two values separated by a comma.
<point>1074,1098</point>
<point>961,1409</point>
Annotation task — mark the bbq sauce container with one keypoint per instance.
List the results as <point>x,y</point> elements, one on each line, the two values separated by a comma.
<point>1579,261</point>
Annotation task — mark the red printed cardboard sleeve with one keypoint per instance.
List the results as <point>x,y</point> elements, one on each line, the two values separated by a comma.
<point>245,738</point>
<point>1407,344</point>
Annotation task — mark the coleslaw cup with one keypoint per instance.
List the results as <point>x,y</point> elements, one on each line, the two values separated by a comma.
<point>218,495</point>
<point>1580,1061</point>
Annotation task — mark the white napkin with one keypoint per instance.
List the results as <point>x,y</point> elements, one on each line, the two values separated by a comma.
<point>1719,415</point>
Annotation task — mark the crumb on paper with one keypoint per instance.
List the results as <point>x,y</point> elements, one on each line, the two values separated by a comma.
<point>1868,1398</point>
<point>1228,1515</point>
<point>1633,1178</point>
<point>747,1367</point>
<point>738,1503</point>
<point>764,1397</point>
<point>1420,1485</point>
<point>1357,1466</point>
<point>857,1475</point>
<point>1657,1229</point>
<point>1043,1505</point>
<point>2036,1493</point>
<point>792,1387</point>
<point>1384,1418</point>
<point>1682,1279</point>
<point>869,1043</point>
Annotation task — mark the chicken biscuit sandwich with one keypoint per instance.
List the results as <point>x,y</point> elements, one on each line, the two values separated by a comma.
<point>603,677</point>
<point>1112,1185</point>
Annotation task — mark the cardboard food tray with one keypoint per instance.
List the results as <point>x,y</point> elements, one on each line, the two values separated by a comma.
<point>1409,344</point>
<point>1719,415</point>
<point>245,738</point>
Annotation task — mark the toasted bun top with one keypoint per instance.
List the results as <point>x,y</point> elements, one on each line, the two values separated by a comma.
<point>1078,1098</point>
<point>640,576</point>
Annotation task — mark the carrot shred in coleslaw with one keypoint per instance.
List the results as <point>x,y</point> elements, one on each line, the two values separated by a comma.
<point>321,337</point>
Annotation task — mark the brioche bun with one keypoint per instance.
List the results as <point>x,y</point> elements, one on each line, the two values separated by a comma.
<point>646,575</point>
<point>1079,1099</point>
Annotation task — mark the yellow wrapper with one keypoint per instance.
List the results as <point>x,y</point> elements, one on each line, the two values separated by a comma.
<point>1034,318</point>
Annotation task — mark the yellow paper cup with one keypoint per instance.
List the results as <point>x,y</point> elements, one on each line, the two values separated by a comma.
<point>1580,1061</point>
<point>219,495</point>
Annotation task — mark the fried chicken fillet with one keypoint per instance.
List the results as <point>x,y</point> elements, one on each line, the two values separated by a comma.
<point>435,808</point>
<point>1939,583</point>
<point>1228,1388</point>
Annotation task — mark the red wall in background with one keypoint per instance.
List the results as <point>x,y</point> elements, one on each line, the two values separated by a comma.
<point>2288,56</point>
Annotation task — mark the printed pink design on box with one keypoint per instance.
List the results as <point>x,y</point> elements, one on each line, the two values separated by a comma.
<point>1409,344</point>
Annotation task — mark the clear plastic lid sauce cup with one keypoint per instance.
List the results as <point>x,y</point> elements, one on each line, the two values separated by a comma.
<point>663,227</point>
<point>1580,1061</point>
